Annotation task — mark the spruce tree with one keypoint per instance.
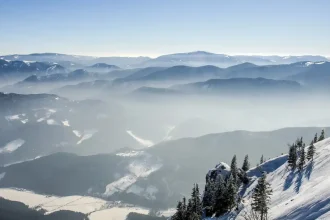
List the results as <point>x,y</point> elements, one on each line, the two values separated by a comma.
<point>230,196</point>
<point>301,159</point>
<point>209,196</point>
<point>196,203</point>
<point>299,143</point>
<point>233,168</point>
<point>292,157</point>
<point>219,206</point>
<point>315,138</point>
<point>261,197</point>
<point>246,164</point>
<point>180,212</point>
<point>321,138</point>
<point>262,159</point>
<point>311,152</point>
<point>189,211</point>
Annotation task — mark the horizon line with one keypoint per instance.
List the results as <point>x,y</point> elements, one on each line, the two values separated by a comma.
<point>158,55</point>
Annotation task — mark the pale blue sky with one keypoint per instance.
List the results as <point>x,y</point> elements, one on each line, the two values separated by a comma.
<point>155,27</point>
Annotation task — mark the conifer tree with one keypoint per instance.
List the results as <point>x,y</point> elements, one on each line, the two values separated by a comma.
<point>262,159</point>
<point>180,212</point>
<point>292,157</point>
<point>246,164</point>
<point>311,152</point>
<point>301,159</point>
<point>321,138</point>
<point>299,144</point>
<point>196,201</point>
<point>315,138</point>
<point>261,197</point>
<point>230,196</point>
<point>209,196</point>
<point>233,168</point>
<point>219,206</point>
<point>189,211</point>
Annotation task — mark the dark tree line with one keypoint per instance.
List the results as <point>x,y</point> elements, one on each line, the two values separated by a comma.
<point>192,210</point>
<point>297,152</point>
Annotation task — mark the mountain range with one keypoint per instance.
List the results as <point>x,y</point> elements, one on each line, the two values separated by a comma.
<point>197,58</point>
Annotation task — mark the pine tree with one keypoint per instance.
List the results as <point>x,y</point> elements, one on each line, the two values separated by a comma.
<point>189,212</point>
<point>292,158</point>
<point>311,152</point>
<point>180,212</point>
<point>233,168</point>
<point>301,159</point>
<point>230,196</point>
<point>321,138</point>
<point>299,143</point>
<point>209,196</point>
<point>219,206</point>
<point>261,197</point>
<point>196,204</point>
<point>246,164</point>
<point>315,138</point>
<point>262,159</point>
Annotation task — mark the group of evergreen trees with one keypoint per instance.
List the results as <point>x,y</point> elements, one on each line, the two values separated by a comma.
<point>297,155</point>
<point>221,192</point>
<point>192,210</point>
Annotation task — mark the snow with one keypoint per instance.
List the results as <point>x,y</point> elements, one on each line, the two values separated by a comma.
<point>309,63</point>
<point>2,175</point>
<point>24,121</point>
<point>52,122</point>
<point>139,168</point>
<point>97,209</point>
<point>168,133</point>
<point>120,185</point>
<point>87,135</point>
<point>66,123</point>
<point>14,117</point>
<point>130,154</point>
<point>143,142</point>
<point>82,204</point>
<point>12,146</point>
<point>297,195</point>
<point>41,119</point>
<point>77,133</point>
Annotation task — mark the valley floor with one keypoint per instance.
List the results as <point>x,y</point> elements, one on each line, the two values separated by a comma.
<point>97,209</point>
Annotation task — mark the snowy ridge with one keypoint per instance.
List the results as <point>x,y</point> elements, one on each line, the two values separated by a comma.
<point>296,195</point>
<point>141,166</point>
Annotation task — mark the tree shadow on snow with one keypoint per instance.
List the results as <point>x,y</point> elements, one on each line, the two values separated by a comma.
<point>309,211</point>
<point>298,182</point>
<point>288,181</point>
<point>309,170</point>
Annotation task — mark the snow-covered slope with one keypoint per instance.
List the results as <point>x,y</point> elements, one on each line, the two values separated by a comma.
<point>304,195</point>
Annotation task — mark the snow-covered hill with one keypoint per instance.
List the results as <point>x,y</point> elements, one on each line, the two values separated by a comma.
<point>296,195</point>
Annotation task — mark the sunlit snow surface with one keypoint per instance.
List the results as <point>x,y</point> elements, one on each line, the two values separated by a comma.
<point>143,142</point>
<point>297,195</point>
<point>12,146</point>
